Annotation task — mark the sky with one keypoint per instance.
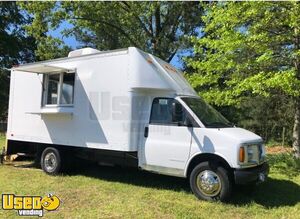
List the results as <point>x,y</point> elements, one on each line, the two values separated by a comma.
<point>70,41</point>
<point>74,44</point>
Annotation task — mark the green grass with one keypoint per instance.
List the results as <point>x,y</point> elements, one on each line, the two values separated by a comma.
<point>111,192</point>
<point>2,141</point>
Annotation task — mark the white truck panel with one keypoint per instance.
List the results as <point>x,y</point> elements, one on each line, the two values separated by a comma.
<point>107,85</point>
<point>87,126</point>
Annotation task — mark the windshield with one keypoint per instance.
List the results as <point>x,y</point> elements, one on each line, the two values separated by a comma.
<point>210,117</point>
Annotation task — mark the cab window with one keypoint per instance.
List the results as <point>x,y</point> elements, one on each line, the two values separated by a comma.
<point>168,111</point>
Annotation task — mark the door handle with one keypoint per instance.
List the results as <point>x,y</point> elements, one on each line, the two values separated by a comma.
<point>146,132</point>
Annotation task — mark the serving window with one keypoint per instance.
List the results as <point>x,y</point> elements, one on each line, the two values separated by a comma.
<point>58,89</point>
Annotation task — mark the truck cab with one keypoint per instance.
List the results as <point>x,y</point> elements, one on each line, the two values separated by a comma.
<point>187,137</point>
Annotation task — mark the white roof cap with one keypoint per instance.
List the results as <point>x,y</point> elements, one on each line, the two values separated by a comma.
<point>83,51</point>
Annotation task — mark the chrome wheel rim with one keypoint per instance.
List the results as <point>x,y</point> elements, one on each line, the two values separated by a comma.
<point>50,162</point>
<point>209,183</point>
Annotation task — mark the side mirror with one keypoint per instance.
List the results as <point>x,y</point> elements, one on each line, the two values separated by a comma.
<point>177,113</point>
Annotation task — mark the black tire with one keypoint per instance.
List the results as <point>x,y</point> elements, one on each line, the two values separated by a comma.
<point>49,156</point>
<point>222,192</point>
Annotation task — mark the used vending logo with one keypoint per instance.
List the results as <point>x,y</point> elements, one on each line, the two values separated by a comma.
<point>30,205</point>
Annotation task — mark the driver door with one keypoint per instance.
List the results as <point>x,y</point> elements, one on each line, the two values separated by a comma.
<point>167,138</point>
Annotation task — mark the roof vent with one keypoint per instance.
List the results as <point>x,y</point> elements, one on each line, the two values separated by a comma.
<point>83,51</point>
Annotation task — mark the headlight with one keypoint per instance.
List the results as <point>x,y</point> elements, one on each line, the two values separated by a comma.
<point>262,152</point>
<point>251,154</point>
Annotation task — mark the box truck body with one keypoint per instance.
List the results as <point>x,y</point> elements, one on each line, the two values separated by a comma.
<point>131,108</point>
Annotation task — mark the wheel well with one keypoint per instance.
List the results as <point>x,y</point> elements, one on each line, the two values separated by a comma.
<point>216,159</point>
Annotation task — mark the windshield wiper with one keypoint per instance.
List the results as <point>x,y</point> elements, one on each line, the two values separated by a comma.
<point>219,125</point>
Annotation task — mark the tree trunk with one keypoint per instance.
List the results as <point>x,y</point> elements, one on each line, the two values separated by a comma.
<point>296,129</point>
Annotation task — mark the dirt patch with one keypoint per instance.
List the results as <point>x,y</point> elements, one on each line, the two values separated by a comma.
<point>278,150</point>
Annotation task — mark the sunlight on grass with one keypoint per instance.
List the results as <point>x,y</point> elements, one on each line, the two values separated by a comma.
<point>92,191</point>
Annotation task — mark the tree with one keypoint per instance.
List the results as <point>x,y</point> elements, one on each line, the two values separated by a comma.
<point>41,13</point>
<point>249,49</point>
<point>15,47</point>
<point>156,27</point>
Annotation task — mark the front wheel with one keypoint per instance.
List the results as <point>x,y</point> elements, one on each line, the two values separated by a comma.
<point>210,182</point>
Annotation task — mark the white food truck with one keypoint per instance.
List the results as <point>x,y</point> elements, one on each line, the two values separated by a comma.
<point>128,107</point>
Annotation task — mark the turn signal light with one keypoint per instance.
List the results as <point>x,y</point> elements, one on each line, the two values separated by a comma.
<point>242,154</point>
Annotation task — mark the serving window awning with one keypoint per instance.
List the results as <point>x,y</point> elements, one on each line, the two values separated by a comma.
<point>43,69</point>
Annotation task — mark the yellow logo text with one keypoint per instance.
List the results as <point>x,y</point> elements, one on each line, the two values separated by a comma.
<point>30,205</point>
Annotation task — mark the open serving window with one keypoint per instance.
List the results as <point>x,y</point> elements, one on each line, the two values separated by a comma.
<point>58,87</point>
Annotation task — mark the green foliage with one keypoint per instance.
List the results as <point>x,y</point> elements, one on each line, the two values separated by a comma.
<point>157,27</point>
<point>265,116</point>
<point>15,47</point>
<point>2,140</point>
<point>48,47</point>
<point>285,163</point>
<point>248,49</point>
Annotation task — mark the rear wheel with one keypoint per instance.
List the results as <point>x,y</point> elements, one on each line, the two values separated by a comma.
<point>51,161</point>
<point>210,182</point>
